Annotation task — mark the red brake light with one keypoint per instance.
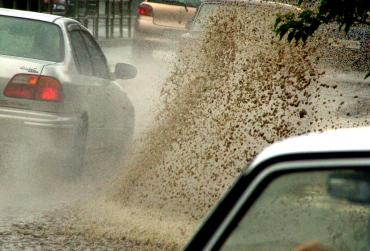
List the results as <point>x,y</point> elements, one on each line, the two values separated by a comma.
<point>49,89</point>
<point>35,87</point>
<point>145,10</point>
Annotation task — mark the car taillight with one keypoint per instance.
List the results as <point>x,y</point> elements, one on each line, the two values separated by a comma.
<point>145,10</point>
<point>35,87</point>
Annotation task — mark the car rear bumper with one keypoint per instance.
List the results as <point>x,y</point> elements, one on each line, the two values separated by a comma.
<point>40,132</point>
<point>156,35</point>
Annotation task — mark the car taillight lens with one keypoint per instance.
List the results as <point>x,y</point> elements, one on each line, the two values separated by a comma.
<point>35,87</point>
<point>145,10</point>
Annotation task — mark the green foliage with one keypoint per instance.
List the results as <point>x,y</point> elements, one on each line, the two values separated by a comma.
<point>345,13</point>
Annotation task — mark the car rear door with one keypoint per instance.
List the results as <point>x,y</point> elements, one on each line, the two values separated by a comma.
<point>92,79</point>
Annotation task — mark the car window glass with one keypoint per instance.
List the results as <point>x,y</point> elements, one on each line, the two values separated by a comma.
<point>81,53</point>
<point>99,62</point>
<point>30,39</point>
<point>295,209</point>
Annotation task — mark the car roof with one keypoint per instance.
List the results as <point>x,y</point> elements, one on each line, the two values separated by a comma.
<point>341,140</point>
<point>29,15</point>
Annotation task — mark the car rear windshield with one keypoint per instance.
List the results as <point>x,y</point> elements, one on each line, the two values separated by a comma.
<point>30,39</point>
<point>189,3</point>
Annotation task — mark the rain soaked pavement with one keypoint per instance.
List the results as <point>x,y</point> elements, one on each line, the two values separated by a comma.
<point>24,221</point>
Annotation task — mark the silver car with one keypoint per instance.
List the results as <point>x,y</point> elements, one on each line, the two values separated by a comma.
<point>58,98</point>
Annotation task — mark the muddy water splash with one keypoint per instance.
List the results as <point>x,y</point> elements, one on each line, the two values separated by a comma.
<point>232,93</point>
<point>236,93</point>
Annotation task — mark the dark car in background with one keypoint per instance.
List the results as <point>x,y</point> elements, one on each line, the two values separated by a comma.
<point>160,23</point>
<point>71,7</point>
<point>57,5</point>
<point>58,100</point>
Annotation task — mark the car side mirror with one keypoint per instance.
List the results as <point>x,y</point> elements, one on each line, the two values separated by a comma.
<point>351,186</point>
<point>125,71</point>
